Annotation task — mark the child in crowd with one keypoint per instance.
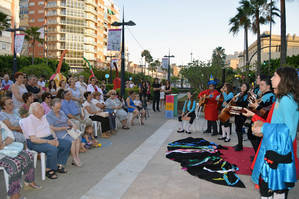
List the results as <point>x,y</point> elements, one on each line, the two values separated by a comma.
<point>138,103</point>
<point>88,139</point>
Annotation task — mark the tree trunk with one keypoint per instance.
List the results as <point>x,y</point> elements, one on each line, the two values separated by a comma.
<point>258,64</point>
<point>33,45</point>
<point>283,48</point>
<point>246,46</point>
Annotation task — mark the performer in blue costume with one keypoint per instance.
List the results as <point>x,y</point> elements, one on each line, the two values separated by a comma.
<point>274,168</point>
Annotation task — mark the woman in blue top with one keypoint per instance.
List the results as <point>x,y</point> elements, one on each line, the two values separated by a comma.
<point>227,92</point>
<point>188,113</point>
<point>241,101</point>
<point>274,169</point>
<point>132,108</point>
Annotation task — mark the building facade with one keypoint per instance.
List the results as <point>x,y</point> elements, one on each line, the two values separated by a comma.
<point>10,8</point>
<point>78,26</point>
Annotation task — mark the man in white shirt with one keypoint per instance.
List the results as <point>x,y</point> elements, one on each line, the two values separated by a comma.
<point>40,138</point>
<point>93,87</point>
<point>81,85</point>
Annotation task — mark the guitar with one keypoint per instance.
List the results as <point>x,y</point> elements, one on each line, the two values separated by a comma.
<point>202,100</point>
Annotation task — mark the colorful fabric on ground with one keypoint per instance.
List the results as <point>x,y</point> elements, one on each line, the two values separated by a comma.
<point>201,158</point>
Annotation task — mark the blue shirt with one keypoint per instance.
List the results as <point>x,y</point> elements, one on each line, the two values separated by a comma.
<point>188,104</point>
<point>70,107</point>
<point>4,83</point>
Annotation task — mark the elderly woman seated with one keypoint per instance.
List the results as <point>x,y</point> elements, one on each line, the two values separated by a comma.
<point>113,104</point>
<point>24,109</point>
<point>60,123</point>
<point>15,161</point>
<point>40,138</point>
<point>11,119</point>
<point>91,111</point>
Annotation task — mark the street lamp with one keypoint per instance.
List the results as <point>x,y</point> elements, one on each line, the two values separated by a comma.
<point>14,30</point>
<point>169,56</point>
<point>123,24</point>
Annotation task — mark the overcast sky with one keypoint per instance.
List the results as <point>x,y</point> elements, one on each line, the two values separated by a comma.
<point>186,26</point>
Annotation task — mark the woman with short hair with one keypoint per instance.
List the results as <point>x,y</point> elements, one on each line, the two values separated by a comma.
<point>18,89</point>
<point>46,102</point>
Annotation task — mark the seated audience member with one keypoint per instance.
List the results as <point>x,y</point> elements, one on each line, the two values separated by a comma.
<point>16,162</point>
<point>28,99</point>
<point>60,123</point>
<point>71,109</point>
<point>34,88</point>
<point>132,108</point>
<point>88,139</point>
<point>113,104</point>
<point>52,88</point>
<point>6,82</point>
<point>40,138</point>
<point>76,94</point>
<point>100,105</point>
<point>11,119</point>
<point>18,89</point>
<point>81,85</point>
<point>60,93</point>
<point>46,102</point>
<point>139,106</point>
<point>62,85</point>
<point>90,111</point>
<point>41,82</point>
<point>92,87</point>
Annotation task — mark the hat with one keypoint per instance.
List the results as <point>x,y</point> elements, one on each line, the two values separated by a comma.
<point>212,81</point>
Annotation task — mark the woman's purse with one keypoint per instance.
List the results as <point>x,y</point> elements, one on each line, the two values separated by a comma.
<point>74,133</point>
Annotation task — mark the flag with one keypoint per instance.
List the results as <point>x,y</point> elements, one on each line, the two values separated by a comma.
<point>19,40</point>
<point>90,68</point>
<point>165,63</point>
<point>110,12</point>
<point>42,33</point>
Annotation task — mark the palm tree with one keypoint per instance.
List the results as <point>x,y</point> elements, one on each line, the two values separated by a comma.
<point>283,48</point>
<point>32,35</point>
<point>147,56</point>
<point>4,22</point>
<point>154,65</point>
<point>242,20</point>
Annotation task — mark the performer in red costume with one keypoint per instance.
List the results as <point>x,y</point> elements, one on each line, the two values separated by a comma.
<point>117,80</point>
<point>211,112</point>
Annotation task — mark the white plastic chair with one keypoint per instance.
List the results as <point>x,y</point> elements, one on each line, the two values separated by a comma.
<point>6,177</point>
<point>97,126</point>
<point>22,122</point>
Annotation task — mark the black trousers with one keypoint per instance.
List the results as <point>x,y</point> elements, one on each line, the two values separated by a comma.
<point>156,100</point>
<point>239,121</point>
<point>191,115</point>
<point>212,125</point>
<point>104,122</point>
<point>255,141</point>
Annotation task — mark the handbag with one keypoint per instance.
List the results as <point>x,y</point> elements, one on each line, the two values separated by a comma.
<point>74,133</point>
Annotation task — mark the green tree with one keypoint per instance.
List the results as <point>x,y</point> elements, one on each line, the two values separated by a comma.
<point>147,56</point>
<point>153,66</point>
<point>242,20</point>
<point>4,22</point>
<point>38,70</point>
<point>32,36</point>
<point>218,63</point>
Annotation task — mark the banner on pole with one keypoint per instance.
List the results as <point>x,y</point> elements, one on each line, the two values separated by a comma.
<point>19,40</point>
<point>165,62</point>
<point>114,39</point>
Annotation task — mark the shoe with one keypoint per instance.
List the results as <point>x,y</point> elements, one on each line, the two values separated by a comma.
<point>227,140</point>
<point>180,131</point>
<point>239,148</point>
<point>188,132</point>
<point>154,110</point>
<point>31,186</point>
<point>221,138</point>
<point>206,131</point>
<point>158,110</point>
<point>214,134</point>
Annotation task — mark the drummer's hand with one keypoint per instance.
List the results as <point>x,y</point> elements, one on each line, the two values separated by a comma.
<point>248,113</point>
<point>257,127</point>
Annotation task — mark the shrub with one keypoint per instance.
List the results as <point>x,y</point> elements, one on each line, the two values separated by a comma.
<point>38,70</point>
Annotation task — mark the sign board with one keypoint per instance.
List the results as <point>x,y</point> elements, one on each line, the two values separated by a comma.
<point>165,62</point>
<point>114,39</point>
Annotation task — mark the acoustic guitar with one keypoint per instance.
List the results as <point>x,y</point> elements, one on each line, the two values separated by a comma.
<point>202,100</point>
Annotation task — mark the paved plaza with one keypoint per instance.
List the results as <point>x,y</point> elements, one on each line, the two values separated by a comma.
<point>132,165</point>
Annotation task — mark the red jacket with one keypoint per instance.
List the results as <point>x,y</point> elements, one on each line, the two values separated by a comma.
<point>211,112</point>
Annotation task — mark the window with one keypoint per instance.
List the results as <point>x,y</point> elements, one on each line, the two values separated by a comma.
<point>31,12</point>
<point>40,11</point>
<point>40,19</point>
<point>31,4</point>
<point>3,46</point>
<point>40,3</point>
<point>32,20</point>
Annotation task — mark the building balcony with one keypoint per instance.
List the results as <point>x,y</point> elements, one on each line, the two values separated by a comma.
<point>91,27</point>
<point>91,2</point>
<point>90,34</point>
<point>92,11</point>
<point>90,43</point>
<point>92,19</point>
<point>72,24</point>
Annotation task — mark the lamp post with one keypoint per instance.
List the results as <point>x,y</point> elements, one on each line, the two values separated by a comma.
<point>169,56</point>
<point>123,24</point>
<point>110,72</point>
<point>14,30</point>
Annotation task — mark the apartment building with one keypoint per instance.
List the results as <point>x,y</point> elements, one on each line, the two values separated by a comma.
<point>78,26</point>
<point>10,8</point>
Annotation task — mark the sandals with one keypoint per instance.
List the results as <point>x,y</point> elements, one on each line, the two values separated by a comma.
<point>51,174</point>
<point>125,127</point>
<point>32,186</point>
<point>61,169</point>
